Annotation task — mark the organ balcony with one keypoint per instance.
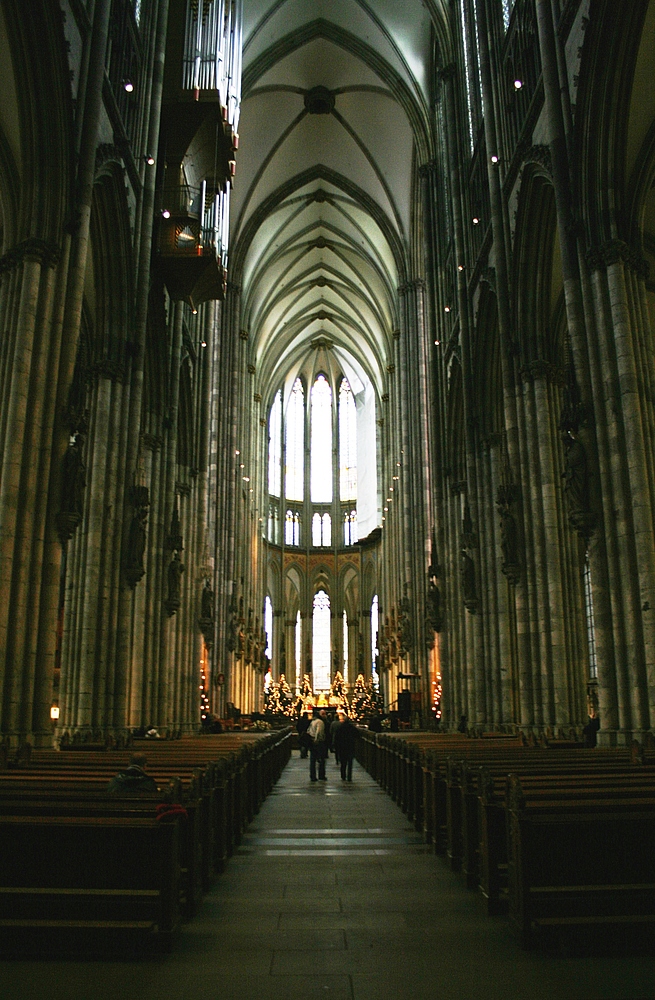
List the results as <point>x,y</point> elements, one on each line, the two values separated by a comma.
<point>192,242</point>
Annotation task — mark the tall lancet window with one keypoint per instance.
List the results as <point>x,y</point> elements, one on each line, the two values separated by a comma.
<point>345,647</point>
<point>321,655</point>
<point>321,451</point>
<point>275,446</point>
<point>298,647</point>
<point>375,624</point>
<point>295,444</point>
<point>347,442</point>
<point>268,627</point>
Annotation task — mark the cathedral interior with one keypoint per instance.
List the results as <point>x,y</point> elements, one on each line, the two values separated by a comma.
<point>327,351</point>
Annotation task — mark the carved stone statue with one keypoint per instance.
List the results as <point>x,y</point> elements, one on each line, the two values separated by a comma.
<point>467,570</point>
<point>207,602</point>
<point>136,539</point>
<point>175,571</point>
<point>575,473</point>
<point>434,612</point>
<point>576,485</point>
<point>73,483</point>
<point>206,620</point>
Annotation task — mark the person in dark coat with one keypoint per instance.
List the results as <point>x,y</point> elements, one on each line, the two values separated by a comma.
<point>302,725</point>
<point>133,780</point>
<point>344,744</point>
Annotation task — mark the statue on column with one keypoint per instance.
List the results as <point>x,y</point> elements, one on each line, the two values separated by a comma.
<point>467,572</point>
<point>174,574</point>
<point>136,539</point>
<point>405,631</point>
<point>576,485</point>
<point>206,620</point>
<point>509,535</point>
<point>73,473</point>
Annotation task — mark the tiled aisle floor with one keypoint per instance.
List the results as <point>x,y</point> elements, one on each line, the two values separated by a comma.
<point>332,895</point>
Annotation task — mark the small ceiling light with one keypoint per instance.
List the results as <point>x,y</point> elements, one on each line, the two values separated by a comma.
<point>237,453</point>
<point>150,160</point>
<point>246,479</point>
<point>460,267</point>
<point>447,309</point>
<point>436,343</point>
<point>386,508</point>
<point>128,86</point>
<point>494,159</point>
<point>242,466</point>
<point>396,477</point>
<point>518,84</point>
<point>166,214</point>
<point>476,221</point>
<point>203,343</point>
<point>195,312</point>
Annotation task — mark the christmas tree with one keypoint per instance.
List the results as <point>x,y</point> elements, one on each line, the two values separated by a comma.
<point>273,704</point>
<point>305,687</point>
<point>338,689</point>
<point>284,696</point>
<point>360,704</point>
<point>374,694</point>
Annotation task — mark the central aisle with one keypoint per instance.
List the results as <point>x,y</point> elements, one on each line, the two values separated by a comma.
<point>333,895</point>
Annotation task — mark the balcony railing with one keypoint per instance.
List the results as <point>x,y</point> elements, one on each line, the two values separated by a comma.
<point>192,242</point>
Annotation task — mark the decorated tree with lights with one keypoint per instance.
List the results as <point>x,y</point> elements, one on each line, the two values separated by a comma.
<point>285,697</point>
<point>338,688</point>
<point>375,698</point>
<point>305,687</point>
<point>360,703</point>
<point>272,699</point>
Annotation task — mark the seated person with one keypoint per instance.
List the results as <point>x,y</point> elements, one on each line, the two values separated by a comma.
<point>133,780</point>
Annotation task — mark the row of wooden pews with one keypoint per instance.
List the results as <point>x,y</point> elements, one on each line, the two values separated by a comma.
<point>560,837</point>
<point>87,871</point>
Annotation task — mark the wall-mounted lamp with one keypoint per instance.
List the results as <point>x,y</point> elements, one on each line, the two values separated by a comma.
<point>166,214</point>
<point>150,160</point>
<point>518,84</point>
<point>128,86</point>
<point>54,712</point>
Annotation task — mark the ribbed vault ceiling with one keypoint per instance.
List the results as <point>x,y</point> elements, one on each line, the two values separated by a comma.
<point>334,122</point>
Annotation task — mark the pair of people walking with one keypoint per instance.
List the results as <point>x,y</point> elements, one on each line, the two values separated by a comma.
<point>343,744</point>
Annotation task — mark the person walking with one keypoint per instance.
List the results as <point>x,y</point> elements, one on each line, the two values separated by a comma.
<point>344,743</point>
<point>334,726</point>
<point>318,747</point>
<point>302,726</point>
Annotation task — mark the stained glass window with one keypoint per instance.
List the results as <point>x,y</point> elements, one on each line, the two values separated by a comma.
<point>321,653</point>
<point>321,442</point>
<point>295,443</point>
<point>268,627</point>
<point>347,442</point>
<point>274,446</point>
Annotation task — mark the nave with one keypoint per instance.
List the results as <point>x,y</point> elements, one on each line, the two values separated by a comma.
<point>333,894</point>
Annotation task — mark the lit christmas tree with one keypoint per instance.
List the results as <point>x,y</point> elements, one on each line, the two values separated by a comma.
<point>338,689</point>
<point>360,703</point>
<point>273,704</point>
<point>305,687</point>
<point>376,701</point>
<point>284,696</point>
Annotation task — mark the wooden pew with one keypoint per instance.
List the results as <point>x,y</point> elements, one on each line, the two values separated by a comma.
<point>581,863</point>
<point>83,883</point>
<point>220,782</point>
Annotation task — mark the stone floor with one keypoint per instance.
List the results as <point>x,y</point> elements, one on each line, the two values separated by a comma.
<point>333,895</point>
